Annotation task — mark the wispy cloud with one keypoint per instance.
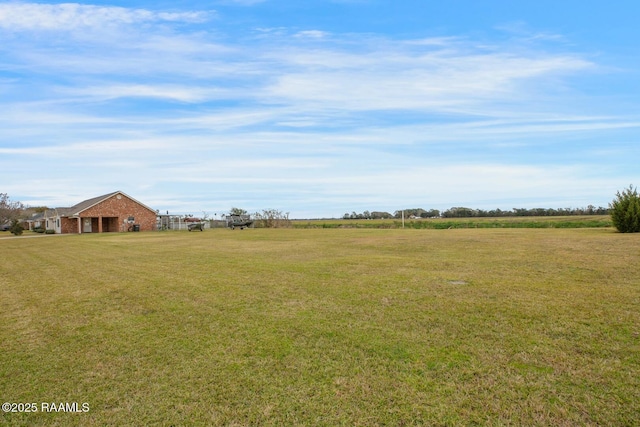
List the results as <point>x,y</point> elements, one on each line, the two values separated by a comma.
<point>356,73</point>
<point>73,16</point>
<point>184,93</point>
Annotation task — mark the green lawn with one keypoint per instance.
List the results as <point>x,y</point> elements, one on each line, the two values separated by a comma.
<point>349,327</point>
<point>570,221</point>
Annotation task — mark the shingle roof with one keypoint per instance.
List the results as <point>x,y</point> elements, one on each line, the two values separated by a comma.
<point>86,204</point>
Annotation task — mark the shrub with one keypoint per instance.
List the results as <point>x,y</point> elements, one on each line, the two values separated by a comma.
<point>16,228</point>
<point>625,211</point>
<point>271,218</point>
<point>50,231</point>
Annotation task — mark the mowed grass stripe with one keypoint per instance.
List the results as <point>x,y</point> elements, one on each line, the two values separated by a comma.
<point>324,327</point>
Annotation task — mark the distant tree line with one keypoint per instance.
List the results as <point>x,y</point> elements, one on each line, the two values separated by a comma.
<point>416,213</point>
<point>367,215</point>
<point>462,212</point>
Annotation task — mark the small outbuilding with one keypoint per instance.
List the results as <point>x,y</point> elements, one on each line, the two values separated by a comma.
<point>113,212</point>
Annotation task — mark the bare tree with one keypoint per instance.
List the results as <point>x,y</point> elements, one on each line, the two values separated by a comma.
<point>272,218</point>
<point>9,211</point>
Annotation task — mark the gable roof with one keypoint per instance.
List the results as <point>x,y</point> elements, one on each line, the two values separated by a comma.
<point>86,204</point>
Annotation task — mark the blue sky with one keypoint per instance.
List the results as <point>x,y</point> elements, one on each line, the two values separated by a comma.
<point>318,108</point>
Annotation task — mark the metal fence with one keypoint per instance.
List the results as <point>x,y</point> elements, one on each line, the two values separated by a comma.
<point>175,223</point>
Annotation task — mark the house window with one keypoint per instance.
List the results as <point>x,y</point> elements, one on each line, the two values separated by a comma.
<point>58,222</point>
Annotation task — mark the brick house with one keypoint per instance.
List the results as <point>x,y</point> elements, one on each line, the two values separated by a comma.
<point>113,212</point>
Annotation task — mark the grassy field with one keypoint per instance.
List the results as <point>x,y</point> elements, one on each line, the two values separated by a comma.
<point>574,221</point>
<point>354,327</point>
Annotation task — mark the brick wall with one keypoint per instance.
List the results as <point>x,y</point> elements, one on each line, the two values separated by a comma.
<point>68,225</point>
<point>119,208</point>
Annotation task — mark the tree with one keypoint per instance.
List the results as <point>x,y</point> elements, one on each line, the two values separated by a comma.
<point>625,211</point>
<point>237,211</point>
<point>9,210</point>
<point>458,212</point>
<point>432,213</point>
<point>380,215</point>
